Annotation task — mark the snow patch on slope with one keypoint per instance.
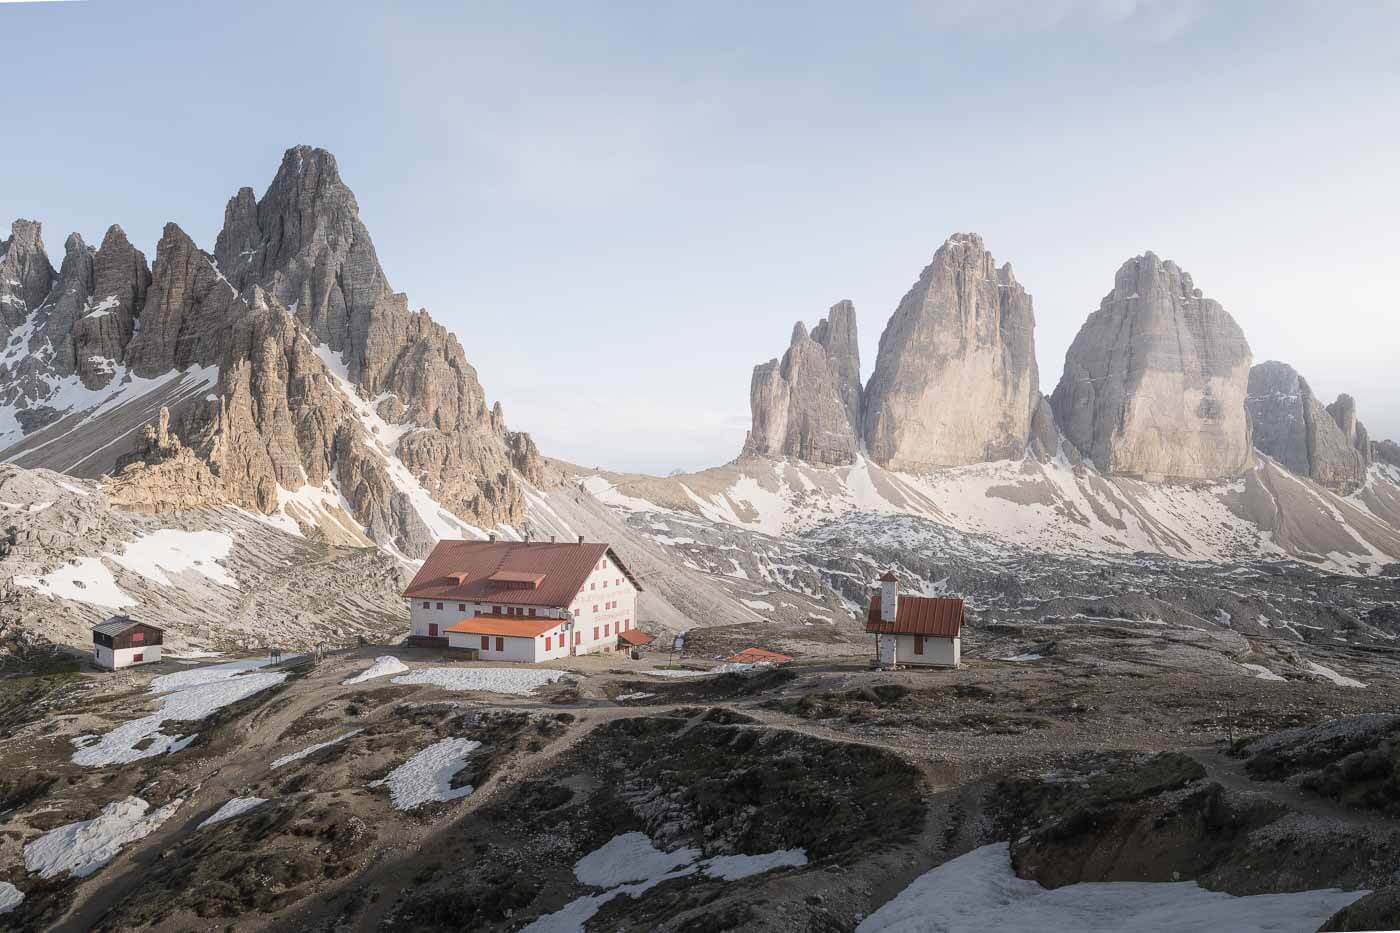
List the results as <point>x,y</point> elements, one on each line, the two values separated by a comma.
<point>82,848</point>
<point>979,891</point>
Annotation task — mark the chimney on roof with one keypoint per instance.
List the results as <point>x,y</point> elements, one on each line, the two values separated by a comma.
<point>889,596</point>
<point>580,539</point>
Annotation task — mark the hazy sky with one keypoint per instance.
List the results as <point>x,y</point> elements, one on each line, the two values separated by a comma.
<point>620,207</point>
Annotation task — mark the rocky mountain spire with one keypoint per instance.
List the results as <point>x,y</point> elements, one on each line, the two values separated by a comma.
<point>1155,382</point>
<point>283,362</point>
<point>1292,426</point>
<point>26,275</point>
<point>101,335</point>
<point>1343,411</point>
<point>808,405</point>
<point>955,381</point>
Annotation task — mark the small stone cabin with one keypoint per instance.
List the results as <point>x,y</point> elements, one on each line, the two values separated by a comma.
<point>916,630</point>
<point>122,641</point>
<point>522,600</point>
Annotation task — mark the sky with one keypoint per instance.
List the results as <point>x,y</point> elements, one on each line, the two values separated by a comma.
<point>620,208</point>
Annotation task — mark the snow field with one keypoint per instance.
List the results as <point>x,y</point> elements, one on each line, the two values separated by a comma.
<point>235,807</point>
<point>82,848</point>
<point>88,580</point>
<point>187,696</point>
<point>383,666</point>
<point>427,776</point>
<point>979,891</point>
<point>630,864</point>
<point>517,680</point>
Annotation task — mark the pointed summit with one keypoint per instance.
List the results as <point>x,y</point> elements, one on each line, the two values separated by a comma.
<point>808,406</point>
<point>955,381</point>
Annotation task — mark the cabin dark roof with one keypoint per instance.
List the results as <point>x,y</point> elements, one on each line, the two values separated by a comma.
<point>118,624</point>
<point>918,615</point>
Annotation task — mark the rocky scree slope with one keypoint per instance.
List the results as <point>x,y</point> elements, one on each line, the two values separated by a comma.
<point>217,578</point>
<point>287,364</point>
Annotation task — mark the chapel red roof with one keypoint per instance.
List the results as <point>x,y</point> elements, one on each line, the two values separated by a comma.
<point>635,637</point>
<point>918,615</point>
<point>516,572</point>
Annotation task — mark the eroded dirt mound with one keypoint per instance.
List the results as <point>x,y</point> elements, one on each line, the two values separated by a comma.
<point>699,781</point>
<point>1169,818</point>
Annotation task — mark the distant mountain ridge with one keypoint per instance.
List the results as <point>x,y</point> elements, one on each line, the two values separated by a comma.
<point>287,363</point>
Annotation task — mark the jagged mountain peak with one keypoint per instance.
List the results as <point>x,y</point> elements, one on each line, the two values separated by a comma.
<point>808,404</point>
<point>955,381</point>
<point>283,361</point>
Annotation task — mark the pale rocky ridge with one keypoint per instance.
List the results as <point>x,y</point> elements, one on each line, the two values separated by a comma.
<point>1291,425</point>
<point>1343,411</point>
<point>285,361</point>
<point>955,381</point>
<point>1155,382</point>
<point>808,405</point>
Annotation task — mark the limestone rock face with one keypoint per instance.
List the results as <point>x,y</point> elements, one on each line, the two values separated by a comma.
<point>26,275</point>
<point>1293,427</point>
<point>163,476</point>
<point>808,405</point>
<point>955,381</point>
<point>1343,411</point>
<point>1386,452</point>
<point>120,280</point>
<point>1155,383</point>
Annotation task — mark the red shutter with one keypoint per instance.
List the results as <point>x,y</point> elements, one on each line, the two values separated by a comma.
<point>605,631</point>
<point>595,633</point>
<point>138,657</point>
<point>500,644</point>
<point>432,630</point>
<point>548,642</point>
<point>918,644</point>
<point>485,642</point>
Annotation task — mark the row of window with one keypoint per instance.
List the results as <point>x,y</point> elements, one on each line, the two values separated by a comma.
<point>616,582</point>
<point>495,610</point>
<point>622,626</point>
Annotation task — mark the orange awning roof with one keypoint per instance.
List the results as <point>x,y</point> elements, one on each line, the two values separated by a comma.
<point>636,637</point>
<point>513,626</point>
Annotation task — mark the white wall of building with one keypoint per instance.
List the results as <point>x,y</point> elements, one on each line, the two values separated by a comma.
<point>421,616</point>
<point>520,648</point>
<point>938,652</point>
<point>605,605</point>
<point>124,657</point>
